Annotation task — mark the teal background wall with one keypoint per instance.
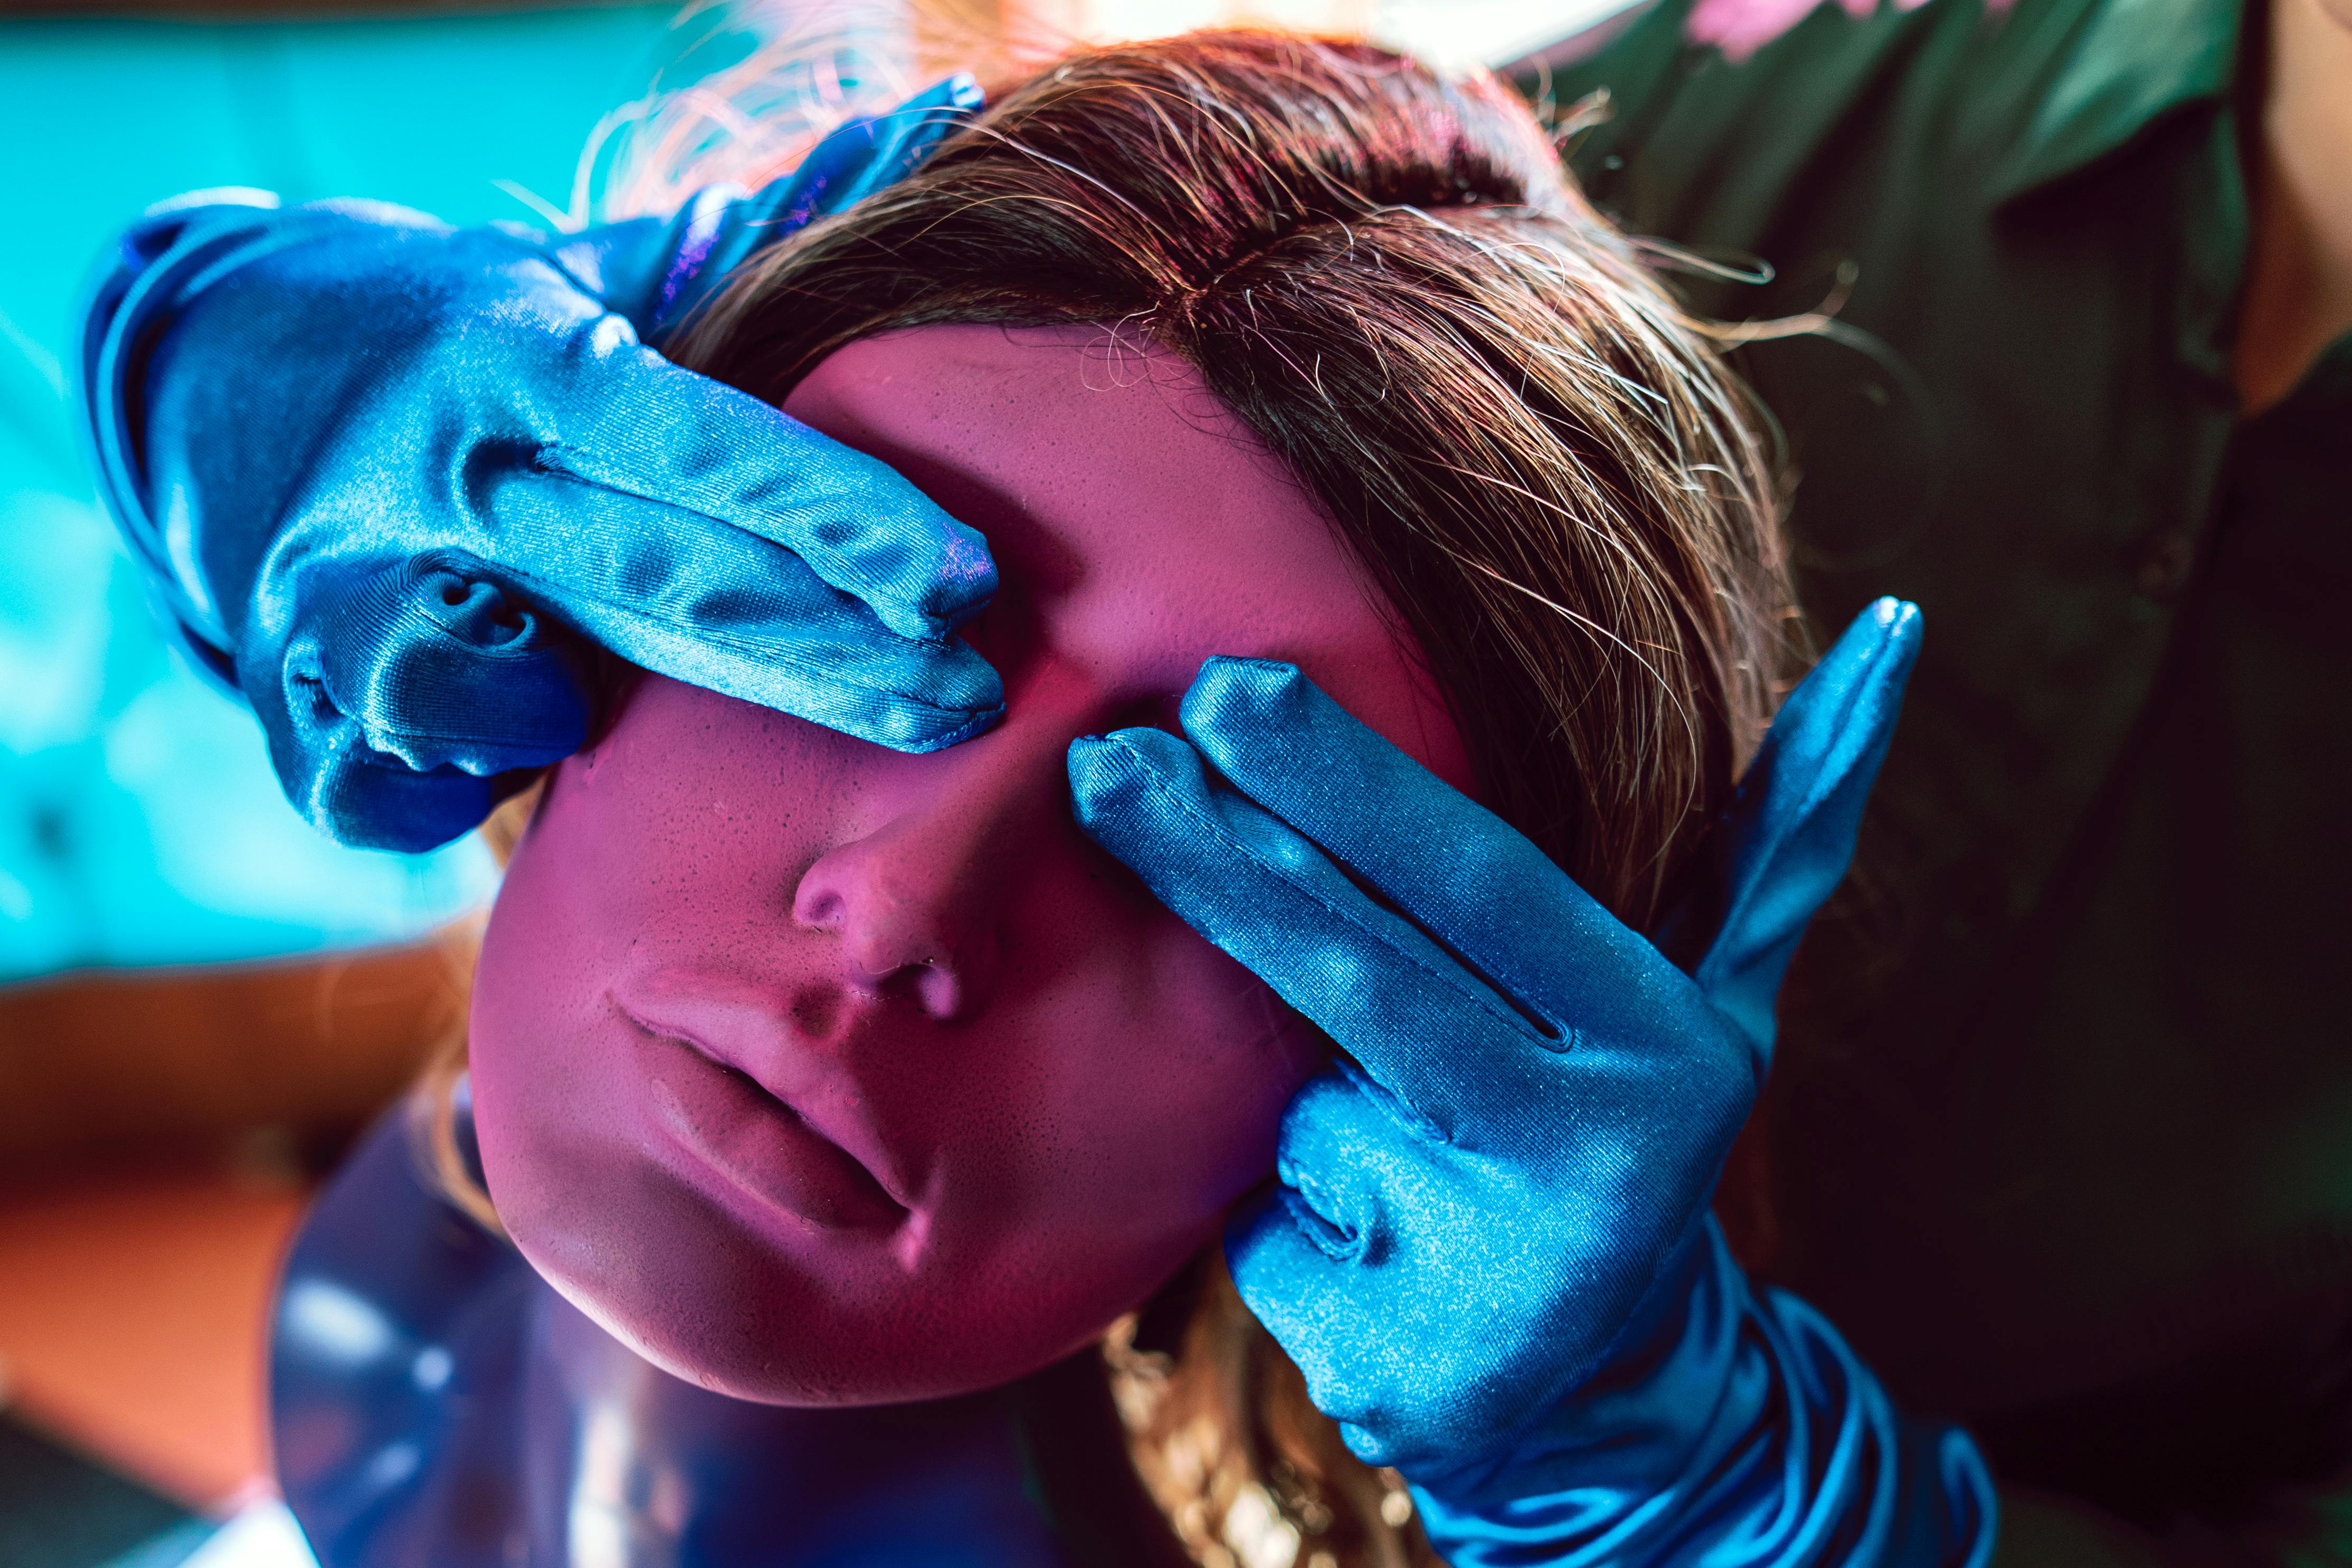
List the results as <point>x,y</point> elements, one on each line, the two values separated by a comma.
<point>140,823</point>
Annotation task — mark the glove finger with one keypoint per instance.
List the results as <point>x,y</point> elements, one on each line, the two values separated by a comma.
<point>1427,1030</point>
<point>885,149</point>
<point>1462,874</point>
<point>1792,826</point>
<point>727,467</point>
<point>731,612</point>
<point>857,159</point>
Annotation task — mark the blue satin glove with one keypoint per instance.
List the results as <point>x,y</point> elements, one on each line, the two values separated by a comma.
<point>1490,1248</point>
<point>404,486</point>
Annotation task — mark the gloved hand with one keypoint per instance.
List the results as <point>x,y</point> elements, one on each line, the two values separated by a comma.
<point>403,487</point>
<point>1490,1248</point>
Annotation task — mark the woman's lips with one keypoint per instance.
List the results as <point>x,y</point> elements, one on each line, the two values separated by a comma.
<point>760,1145</point>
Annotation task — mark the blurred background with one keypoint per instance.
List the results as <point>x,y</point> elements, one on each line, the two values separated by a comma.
<point>201,1001</point>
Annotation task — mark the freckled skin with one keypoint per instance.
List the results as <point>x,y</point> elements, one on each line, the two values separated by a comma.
<point>1019,1093</point>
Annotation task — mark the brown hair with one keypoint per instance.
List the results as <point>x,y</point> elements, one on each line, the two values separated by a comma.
<point>1388,277</point>
<point>1536,452</point>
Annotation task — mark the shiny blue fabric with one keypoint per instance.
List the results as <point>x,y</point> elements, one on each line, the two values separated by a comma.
<point>657,272</point>
<point>1731,1425</point>
<point>404,487</point>
<point>1489,1247</point>
<point>434,1404</point>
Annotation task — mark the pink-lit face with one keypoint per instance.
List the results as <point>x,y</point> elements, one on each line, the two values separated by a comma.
<point>824,1074</point>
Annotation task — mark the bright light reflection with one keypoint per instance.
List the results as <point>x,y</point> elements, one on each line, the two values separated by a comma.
<point>1445,32</point>
<point>263,1536</point>
<point>335,1323</point>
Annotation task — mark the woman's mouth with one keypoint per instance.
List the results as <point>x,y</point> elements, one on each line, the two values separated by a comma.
<point>761,1148</point>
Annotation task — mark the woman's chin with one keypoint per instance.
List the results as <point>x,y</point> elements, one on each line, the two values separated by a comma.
<point>732,1353</point>
<point>726,1290</point>
<point>757,1327</point>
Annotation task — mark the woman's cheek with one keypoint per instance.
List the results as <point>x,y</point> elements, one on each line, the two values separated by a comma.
<point>1247,1054</point>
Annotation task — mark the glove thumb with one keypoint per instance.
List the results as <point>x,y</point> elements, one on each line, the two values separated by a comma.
<point>1790,834</point>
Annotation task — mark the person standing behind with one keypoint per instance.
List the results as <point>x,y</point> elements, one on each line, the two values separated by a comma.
<point>2075,1165</point>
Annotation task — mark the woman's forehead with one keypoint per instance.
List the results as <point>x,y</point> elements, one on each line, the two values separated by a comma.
<point>1131,509</point>
<point>1098,466</point>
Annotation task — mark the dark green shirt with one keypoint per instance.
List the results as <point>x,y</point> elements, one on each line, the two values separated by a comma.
<point>2060,1134</point>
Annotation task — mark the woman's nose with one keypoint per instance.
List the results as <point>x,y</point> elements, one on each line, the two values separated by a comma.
<point>908,915</point>
<point>919,902</point>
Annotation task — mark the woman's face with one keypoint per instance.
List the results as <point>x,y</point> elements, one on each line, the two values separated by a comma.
<point>823,1074</point>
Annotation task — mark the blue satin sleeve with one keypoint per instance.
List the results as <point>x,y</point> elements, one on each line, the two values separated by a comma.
<point>1733,1428</point>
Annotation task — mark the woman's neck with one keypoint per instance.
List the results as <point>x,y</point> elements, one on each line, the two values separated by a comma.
<point>2298,295</point>
<point>632,1465</point>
